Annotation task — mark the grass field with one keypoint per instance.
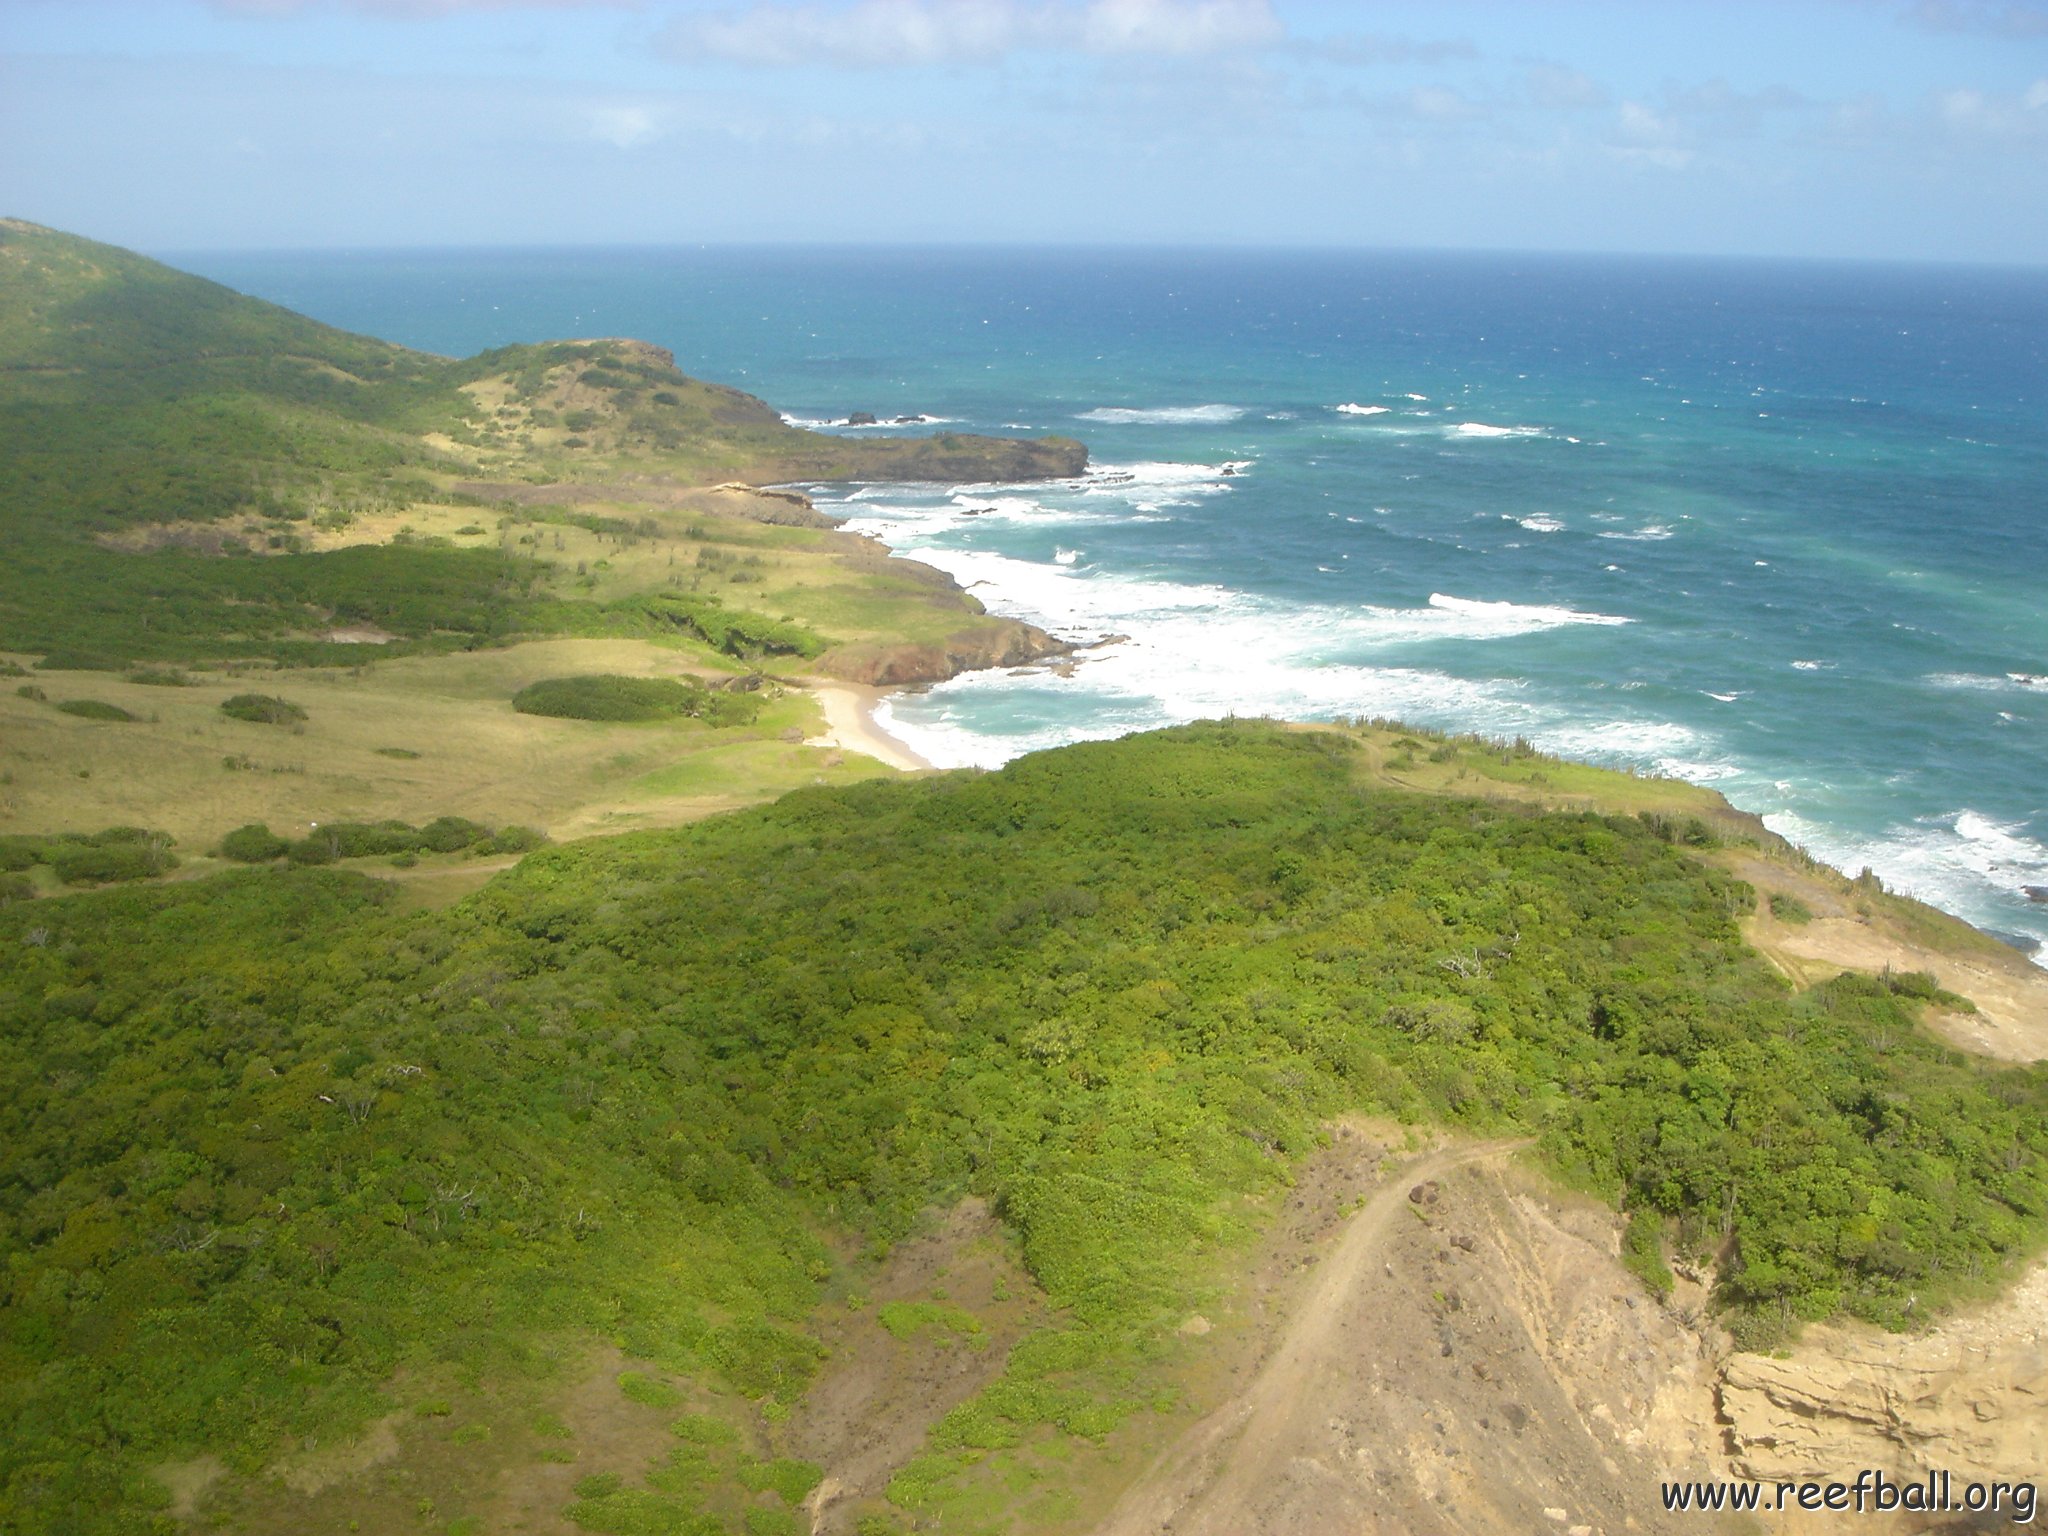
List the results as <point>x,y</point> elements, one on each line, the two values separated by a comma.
<point>416,736</point>
<point>411,738</point>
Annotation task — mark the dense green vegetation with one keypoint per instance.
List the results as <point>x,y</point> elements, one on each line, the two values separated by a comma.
<point>610,697</point>
<point>263,1141</point>
<point>91,858</point>
<point>337,840</point>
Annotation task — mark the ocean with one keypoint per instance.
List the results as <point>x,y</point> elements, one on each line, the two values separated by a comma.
<point>1779,528</point>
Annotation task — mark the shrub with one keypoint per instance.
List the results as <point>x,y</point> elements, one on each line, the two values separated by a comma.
<point>517,840</point>
<point>78,661</point>
<point>262,709</point>
<point>32,693</point>
<point>92,865</point>
<point>15,888</point>
<point>451,834</point>
<point>253,844</point>
<point>610,697</point>
<point>1790,909</point>
<point>314,849</point>
<point>160,677</point>
<point>703,1429</point>
<point>362,840</point>
<point>654,1393</point>
<point>1642,1251</point>
<point>95,709</point>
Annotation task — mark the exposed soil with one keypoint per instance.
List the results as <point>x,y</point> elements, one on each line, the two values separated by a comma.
<point>1429,1377</point>
<point>870,1410</point>
<point>2010,992</point>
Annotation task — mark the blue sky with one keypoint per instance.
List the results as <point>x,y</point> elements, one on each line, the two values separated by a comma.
<point>1863,128</point>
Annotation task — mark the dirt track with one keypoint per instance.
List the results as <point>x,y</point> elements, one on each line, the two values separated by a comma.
<point>1204,1482</point>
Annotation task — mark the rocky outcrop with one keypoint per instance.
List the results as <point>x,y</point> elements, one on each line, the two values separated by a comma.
<point>1969,1397</point>
<point>989,643</point>
<point>788,509</point>
<point>961,457</point>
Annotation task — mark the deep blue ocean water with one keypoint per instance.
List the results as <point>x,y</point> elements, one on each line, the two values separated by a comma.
<point>1781,528</point>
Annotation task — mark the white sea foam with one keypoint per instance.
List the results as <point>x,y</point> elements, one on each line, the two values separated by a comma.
<point>827,424</point>
<point>1814,666</point>
<point>1063,556</point>
<point>1167,484</point>
<point>2009,682</point>
<point>1541,523</point>
<point>1161,416</point>
<point>1486,429</point>
<point>1350,408</point>
<point>1523,616</point>
<point>1650,534</point>
<point>1415,397</point>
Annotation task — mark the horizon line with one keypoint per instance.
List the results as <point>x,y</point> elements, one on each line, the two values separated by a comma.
<point>1090,247</point>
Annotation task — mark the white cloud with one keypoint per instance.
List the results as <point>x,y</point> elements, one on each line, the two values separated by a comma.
<point>1169,26</point>
<point>1440,104</point>
<point>1370,48</point>
<point>628,127</point>
<point>901,33</point>
<point>1557,88</point>
<point>1995,114</point>
<point>1649,138</point>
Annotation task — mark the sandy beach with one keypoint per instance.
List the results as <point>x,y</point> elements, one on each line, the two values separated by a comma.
<point>850,725</point>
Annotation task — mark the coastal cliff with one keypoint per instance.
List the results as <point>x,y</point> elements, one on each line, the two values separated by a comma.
<point>1969,1396</point>
<point>991,643</point>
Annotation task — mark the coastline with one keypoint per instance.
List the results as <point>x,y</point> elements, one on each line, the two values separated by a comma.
<point>850,724</point>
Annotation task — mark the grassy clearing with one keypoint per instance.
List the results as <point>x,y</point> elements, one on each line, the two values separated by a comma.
<point>199,774</point>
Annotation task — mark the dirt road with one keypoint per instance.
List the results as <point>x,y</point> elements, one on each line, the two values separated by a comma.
<point>1204,1483</point>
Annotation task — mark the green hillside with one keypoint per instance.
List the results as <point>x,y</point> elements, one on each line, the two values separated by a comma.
<point>158,427</point>
<point>276,1161</point>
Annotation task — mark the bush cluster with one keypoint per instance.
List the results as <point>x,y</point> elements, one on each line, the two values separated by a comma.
<point>335,840</point>
<point>95,709</point>
<point>109,857</point>
<point>611,697</point>
<point>262,709</point>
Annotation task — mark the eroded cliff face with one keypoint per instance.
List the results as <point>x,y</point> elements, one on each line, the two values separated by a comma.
<point>1476,1361</point>
<point>987,642</point>
<point>1969,1397</point>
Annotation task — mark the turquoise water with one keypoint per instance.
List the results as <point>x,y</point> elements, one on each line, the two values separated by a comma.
<point>1778,528</point>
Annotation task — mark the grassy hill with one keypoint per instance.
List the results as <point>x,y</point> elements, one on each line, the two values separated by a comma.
<point>159,427</point>
<point>201,493</point>
<point>280,1168</point>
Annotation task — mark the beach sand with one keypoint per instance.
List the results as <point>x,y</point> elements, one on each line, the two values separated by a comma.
<point>850,725</point>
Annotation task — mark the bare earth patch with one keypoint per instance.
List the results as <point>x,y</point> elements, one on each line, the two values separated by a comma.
<point>1844,934</point>
<point>869,1411</point>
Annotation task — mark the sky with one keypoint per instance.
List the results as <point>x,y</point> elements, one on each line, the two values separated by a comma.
<point>1871,129</point>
